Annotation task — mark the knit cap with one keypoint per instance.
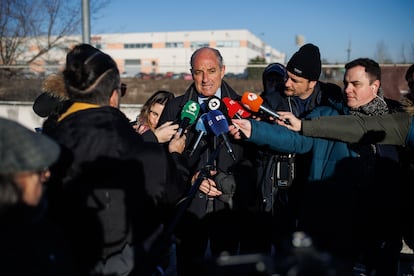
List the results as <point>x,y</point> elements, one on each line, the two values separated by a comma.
<point>306,62</point>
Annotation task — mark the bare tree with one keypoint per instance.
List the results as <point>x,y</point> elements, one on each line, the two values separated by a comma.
<point>411,53</point>
<point>381,54</point>
<point>40,25</point>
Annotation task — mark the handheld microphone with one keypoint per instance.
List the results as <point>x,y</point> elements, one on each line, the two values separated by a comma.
<point>219,126</point>
<point>213,103</point>
<point>200,127</point>
<point>254,102</point>
<point>189,114</point>
<point>234,109</point>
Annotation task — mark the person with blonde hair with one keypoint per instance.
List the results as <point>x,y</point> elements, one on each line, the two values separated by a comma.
<point>149,116</point>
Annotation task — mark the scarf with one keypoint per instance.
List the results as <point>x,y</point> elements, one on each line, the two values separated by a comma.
<point>377,106</point>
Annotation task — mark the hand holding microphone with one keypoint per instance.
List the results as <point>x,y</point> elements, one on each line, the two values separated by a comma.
<point>254,102</point>
<point>236,110</point>
<point>189,114</point>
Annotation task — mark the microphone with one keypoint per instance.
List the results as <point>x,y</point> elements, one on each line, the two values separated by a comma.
<point>234,109</point>
<point>254,102</point>
<point>200,127</point>
<point>219,126</point>
<point>189,114</point>
<point>213,103</point>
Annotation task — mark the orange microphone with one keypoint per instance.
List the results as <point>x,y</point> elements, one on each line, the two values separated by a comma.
<point>254,102</point>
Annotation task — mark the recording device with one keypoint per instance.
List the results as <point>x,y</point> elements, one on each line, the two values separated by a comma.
<point>189,114</point>
<point>219,126</point>
<point>285,170</point>
<point>234,109</point>
<point>200,127</point>
<point>254,102</point>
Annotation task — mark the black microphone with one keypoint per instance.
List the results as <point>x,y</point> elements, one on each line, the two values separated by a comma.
<point>201,128</point>
<point>215,103</point>
<point>189,114</point>
<point>219,126</point>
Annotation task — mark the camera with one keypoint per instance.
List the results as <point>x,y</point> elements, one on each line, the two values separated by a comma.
<point>285,170</point>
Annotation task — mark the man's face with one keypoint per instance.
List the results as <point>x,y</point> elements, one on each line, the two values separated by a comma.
<point>207,73</point>
<point>298,86</point>
<point>358,87</point>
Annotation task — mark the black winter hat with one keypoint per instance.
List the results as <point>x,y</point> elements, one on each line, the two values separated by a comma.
<point>306,62</point>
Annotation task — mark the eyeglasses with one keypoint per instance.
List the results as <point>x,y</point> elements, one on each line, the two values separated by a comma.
<point>123,89</point>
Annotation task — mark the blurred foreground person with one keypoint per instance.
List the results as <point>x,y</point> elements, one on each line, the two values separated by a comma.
<point>109,188</point>
<point>29,243</point>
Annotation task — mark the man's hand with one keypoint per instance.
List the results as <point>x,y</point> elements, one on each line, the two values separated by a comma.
<point>240,128</point>
<point>295,124</point>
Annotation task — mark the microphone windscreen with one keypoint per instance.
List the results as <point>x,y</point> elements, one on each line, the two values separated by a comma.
<point>252,101</point>
<point>213,103</point>
<point>235,109</point>
<point>190,111</point>
<point>217,122</point>
<point>200,125</point>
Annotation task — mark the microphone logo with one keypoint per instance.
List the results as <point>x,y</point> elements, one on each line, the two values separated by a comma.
<point>214,103</point>
<point>251,96</point>
<point>193,108</point>
<point>217,118</point>
<point>217,122</point>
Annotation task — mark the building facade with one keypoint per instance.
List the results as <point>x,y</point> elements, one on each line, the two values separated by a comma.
<point>170,52</point>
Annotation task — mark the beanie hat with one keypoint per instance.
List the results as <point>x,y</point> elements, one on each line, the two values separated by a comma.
<point>306,62</point>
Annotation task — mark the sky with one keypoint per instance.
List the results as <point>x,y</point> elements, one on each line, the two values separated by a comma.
<point>334,26</point>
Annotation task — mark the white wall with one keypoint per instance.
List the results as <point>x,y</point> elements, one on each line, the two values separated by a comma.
<point>23,113</point>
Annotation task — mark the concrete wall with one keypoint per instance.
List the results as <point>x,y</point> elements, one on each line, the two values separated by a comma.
<point>23,113</point>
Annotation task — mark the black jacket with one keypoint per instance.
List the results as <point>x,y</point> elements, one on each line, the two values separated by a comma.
<point>108,187</point>
<point>32,245</point>
<point>241,169</point>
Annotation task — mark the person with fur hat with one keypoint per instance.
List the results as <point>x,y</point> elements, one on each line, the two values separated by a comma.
<point>30,244</point>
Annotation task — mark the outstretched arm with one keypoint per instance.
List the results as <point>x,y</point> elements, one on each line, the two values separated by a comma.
<point>387,129</point>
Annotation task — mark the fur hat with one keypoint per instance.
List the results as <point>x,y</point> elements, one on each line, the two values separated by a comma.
<point>24,150</point>
<point>53,93</point>
<point>306,62</point>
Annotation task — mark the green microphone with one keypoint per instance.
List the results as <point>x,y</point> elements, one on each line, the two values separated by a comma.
<point>189,114</point>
